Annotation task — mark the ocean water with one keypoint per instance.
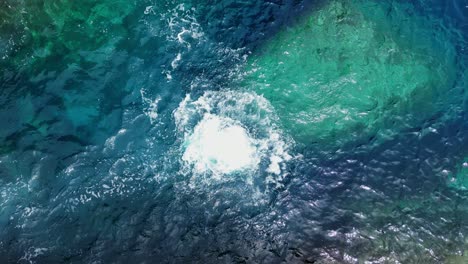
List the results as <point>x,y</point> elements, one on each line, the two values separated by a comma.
<point>269,131</point>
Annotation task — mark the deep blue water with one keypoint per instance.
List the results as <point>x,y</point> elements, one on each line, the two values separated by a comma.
<point>91,156</point>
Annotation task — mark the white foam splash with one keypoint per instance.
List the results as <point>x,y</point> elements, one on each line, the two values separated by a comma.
<point>149,10</point>
<point>151,106</point>
<point>183,26</point>
<point>31,253</point>
<point>216,139</point>
<point>175,62</point>
<point>222,146</point>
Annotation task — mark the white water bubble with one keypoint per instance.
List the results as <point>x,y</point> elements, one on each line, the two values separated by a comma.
<point>151,106</point>
<point>229,132</point>
<point>221,146</point>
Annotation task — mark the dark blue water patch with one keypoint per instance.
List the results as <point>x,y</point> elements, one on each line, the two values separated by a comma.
<point>353,216</point>
<point>246,24</point>
<point>453,11</point>
<point>398,183</point>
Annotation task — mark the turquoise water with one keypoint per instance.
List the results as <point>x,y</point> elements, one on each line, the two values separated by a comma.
<point>233,131</point>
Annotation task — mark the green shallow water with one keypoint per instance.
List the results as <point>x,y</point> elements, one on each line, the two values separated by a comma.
<point>61,32</point>
<point>354,70</point>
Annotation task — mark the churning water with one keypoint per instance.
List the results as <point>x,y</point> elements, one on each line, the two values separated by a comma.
<point>267,131</point>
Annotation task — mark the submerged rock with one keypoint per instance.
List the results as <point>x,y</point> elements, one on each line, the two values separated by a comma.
<point>349,72</point>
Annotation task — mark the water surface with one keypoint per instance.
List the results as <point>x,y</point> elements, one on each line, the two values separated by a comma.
<point>145,131</point>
